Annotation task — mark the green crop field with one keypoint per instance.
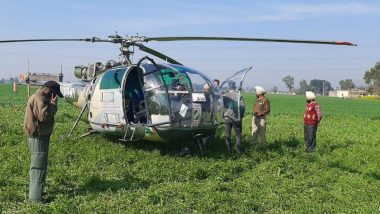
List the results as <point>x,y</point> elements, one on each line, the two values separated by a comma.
<point>98,174</point>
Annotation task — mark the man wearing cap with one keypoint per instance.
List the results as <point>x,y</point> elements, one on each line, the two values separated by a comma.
<point>260,111</point>
<point>38,124</point>
<point>216,82</point>
<point>312,117</point>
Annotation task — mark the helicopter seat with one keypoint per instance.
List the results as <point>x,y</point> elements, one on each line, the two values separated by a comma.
<point>140,114</point>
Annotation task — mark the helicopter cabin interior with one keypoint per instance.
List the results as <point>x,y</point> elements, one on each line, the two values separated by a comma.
<point>142,91</point>
<point>134,102</point>
<point>155,95</point>
<point>163,96</point>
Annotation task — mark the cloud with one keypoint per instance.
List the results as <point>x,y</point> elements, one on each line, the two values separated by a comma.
<point>149,23</point>
<point>306,11</point>
<point>216,15</point>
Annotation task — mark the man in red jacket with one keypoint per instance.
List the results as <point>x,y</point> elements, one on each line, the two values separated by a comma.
<point>312,117</point>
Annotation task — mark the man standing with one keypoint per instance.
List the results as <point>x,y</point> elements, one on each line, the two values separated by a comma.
<point>38,124</point>
<point>260,111</point>
<point>233,117</point>
<point>312,117</point>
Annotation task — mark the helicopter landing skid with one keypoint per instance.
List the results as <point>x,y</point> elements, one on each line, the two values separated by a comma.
<point>91,131</point>
<point>76,122</point>
<point>125,139</point>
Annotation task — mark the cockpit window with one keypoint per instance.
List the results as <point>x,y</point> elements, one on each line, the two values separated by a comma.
<point>175,80</point>
<point>197,81</point>
<point>112,79</point>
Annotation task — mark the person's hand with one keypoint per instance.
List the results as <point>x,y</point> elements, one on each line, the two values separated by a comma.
<point>54,99</point>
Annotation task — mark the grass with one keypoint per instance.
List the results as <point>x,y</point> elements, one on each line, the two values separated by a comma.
<point>99,174</point>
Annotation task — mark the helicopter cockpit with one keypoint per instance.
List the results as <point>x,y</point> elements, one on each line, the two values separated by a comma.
<point>172,96</point>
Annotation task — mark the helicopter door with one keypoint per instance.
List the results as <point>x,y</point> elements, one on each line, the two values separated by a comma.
<point>179,89</point>
<point>156,98</point>
<point>105,112</point>
<point>231,91</point>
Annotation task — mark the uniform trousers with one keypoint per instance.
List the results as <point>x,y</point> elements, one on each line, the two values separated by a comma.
<point>259,129</point>
<point>238,128</point>
<point>39,148</point>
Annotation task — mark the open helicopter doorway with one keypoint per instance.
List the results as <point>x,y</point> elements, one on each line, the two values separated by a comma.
<point>133,96</point>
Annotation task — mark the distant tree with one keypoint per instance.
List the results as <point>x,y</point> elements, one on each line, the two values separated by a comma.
<point>275,89</point>
<point>304,87</point>
<point>372,78</point>
<point>346,84</point>
<point>289,82</point>
<point>320,86</point>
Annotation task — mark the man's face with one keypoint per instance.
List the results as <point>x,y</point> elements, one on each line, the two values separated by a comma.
<point>206,88</point>
<point>49,92</point>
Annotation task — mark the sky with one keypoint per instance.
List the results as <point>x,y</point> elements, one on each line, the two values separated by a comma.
<point>332,20</point>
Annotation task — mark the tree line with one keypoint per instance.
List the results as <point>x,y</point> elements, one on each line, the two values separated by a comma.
<point>371,77</point>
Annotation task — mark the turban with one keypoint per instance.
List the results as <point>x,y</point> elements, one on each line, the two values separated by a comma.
<point>260,90</point>
<point>310,95</point>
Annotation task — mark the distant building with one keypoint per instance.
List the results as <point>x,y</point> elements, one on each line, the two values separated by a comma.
<point>348,94</point>
<point>42,77</point>
<point>46,77</point>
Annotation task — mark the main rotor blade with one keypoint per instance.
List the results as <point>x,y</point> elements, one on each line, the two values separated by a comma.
<point>157,54</point>
<point>45,40</point>
<point>246,39</point>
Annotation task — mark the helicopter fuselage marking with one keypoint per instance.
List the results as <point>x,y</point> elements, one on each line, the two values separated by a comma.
<point>68,92</point>
<point>107,97</point>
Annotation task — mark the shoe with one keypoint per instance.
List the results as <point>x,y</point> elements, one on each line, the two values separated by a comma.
<point>309,150</point>
<point>184,151</point>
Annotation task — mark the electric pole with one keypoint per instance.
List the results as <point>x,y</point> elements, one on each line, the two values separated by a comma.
<point>323,86</point>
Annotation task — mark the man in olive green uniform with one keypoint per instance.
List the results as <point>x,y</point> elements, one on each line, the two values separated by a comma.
<point>260,111</point>
<point>233,116</point>
<point>38,124</point>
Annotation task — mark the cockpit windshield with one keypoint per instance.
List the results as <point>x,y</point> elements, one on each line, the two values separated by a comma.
<point>190,96</point>
<point>179,96</point>
<point>196,80</point>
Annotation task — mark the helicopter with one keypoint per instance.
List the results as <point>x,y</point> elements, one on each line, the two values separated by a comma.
<point>158,102</point>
